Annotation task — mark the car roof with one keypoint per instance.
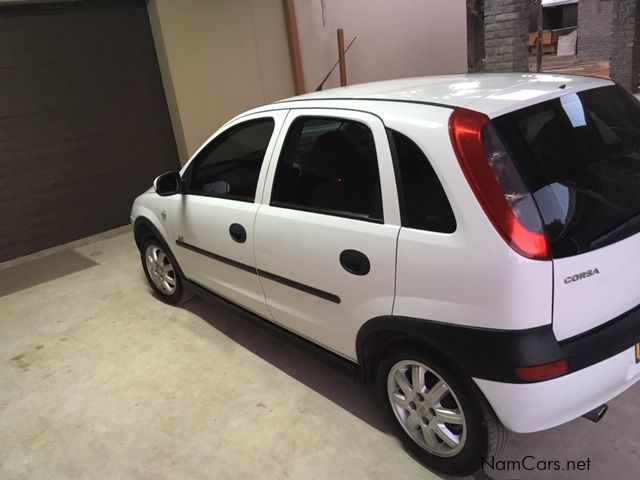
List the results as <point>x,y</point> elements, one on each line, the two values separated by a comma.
<point>489,93</point>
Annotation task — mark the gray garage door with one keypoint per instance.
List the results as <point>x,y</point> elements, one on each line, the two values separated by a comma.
<point>84,126</point>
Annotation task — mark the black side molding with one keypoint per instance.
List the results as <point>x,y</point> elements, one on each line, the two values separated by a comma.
<point>215,256</point>
<point>300,286</point>
<point>271,276</point>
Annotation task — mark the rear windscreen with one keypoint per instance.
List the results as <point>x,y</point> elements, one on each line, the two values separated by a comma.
<point>580,156</point>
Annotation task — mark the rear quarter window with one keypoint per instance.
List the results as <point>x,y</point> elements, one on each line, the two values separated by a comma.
<point>423,202</point>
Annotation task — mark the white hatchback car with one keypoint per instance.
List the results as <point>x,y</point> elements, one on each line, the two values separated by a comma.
<point>468,242</point>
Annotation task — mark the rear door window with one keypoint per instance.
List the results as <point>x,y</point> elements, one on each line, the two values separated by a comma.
<point>580,155</point>
<point>329,166</point>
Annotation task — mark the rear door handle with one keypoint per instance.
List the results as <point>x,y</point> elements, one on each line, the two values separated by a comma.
<point>238,233</point>
<point>355,262</point>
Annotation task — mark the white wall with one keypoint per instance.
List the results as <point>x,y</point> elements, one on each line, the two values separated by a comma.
<point>396,38</point>
<point>218,58</point>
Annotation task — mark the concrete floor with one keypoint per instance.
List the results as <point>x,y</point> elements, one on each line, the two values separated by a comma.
<point>100,380</point>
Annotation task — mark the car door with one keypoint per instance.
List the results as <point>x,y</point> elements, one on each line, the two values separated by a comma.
<point>325,236</point>
<point>213,221</point>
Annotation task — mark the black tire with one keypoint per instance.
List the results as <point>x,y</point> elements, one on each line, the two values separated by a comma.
<point>485,436</point>
<point>179,294</point>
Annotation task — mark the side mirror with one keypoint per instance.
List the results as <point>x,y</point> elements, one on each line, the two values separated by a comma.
<point>167,184</point>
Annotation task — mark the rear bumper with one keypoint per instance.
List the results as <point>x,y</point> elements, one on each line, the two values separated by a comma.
<point>531,407</point>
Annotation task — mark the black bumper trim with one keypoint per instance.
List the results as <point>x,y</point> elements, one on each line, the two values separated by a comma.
<point>495,354</point>
<point>603,342</point>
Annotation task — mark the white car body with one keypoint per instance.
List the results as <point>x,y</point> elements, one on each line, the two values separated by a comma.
<point>469,279</point>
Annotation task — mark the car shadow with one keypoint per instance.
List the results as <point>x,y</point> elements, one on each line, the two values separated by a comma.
<point>359,400</point>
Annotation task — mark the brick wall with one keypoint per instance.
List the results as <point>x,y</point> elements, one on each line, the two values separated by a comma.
<point>595,29</point>
<point>625,51</point>
<point>505,35</point>
<point>475,42</point>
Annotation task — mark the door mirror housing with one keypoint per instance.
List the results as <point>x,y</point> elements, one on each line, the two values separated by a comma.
<point>168,183</point>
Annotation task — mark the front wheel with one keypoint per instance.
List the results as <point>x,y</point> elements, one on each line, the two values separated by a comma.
<point>438,412</point>
<point>161,271</point>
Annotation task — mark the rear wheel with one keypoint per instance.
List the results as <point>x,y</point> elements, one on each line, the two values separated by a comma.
<point>161,271</point>
<point>438,412</point>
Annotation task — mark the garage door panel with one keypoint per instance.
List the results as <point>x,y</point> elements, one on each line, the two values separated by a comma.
<point>75,167</point>
<point>40,191</point>
<point>106,28</point>
<point>105,200</point>
<point>58,77</point>
<point>83,120</point>
<point>94,69</point>
<point>34,79</point>
<point>47,139</point>
<point>93,113</point>
<point>76,181</point>
<point>44,99</point>
<point>78,151</point>
<point>71,213</point>
<point>33,104</point>
<point>35,219</point>
<point>43,142</point>
<point>78,158</point>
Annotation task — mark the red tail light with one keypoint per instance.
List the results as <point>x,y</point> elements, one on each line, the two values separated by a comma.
<point>497,184</point>
<point>543,372</point>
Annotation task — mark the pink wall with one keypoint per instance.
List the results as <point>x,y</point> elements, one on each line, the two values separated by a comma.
<point>396,38</point>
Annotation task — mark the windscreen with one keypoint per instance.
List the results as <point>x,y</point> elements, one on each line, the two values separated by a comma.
<point>580,156</point>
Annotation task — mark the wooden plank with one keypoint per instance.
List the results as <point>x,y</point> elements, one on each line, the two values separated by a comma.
<point>341,60</point>
<point>294,46</point>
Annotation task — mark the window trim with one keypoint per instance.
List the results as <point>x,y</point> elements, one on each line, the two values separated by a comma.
<point>395,160</point>
<point>188,174</point>
<point>319,211</point>
<point>326,212</point>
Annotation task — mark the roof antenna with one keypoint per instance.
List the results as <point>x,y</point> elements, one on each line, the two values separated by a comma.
<point>319,87</point>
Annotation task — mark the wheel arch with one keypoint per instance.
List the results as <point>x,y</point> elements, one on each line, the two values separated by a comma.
<point>142,227</point>
<point>381,335</point>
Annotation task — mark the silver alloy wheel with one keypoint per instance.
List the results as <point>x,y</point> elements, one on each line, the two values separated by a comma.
<point>160,269</point>
<point>427,408</point>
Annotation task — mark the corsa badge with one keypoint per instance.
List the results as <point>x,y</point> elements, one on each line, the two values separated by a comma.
<point>581,275</point>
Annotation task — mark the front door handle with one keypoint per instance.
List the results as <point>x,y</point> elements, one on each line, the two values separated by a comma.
<point>238,233</point>
<point>355,262</point>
